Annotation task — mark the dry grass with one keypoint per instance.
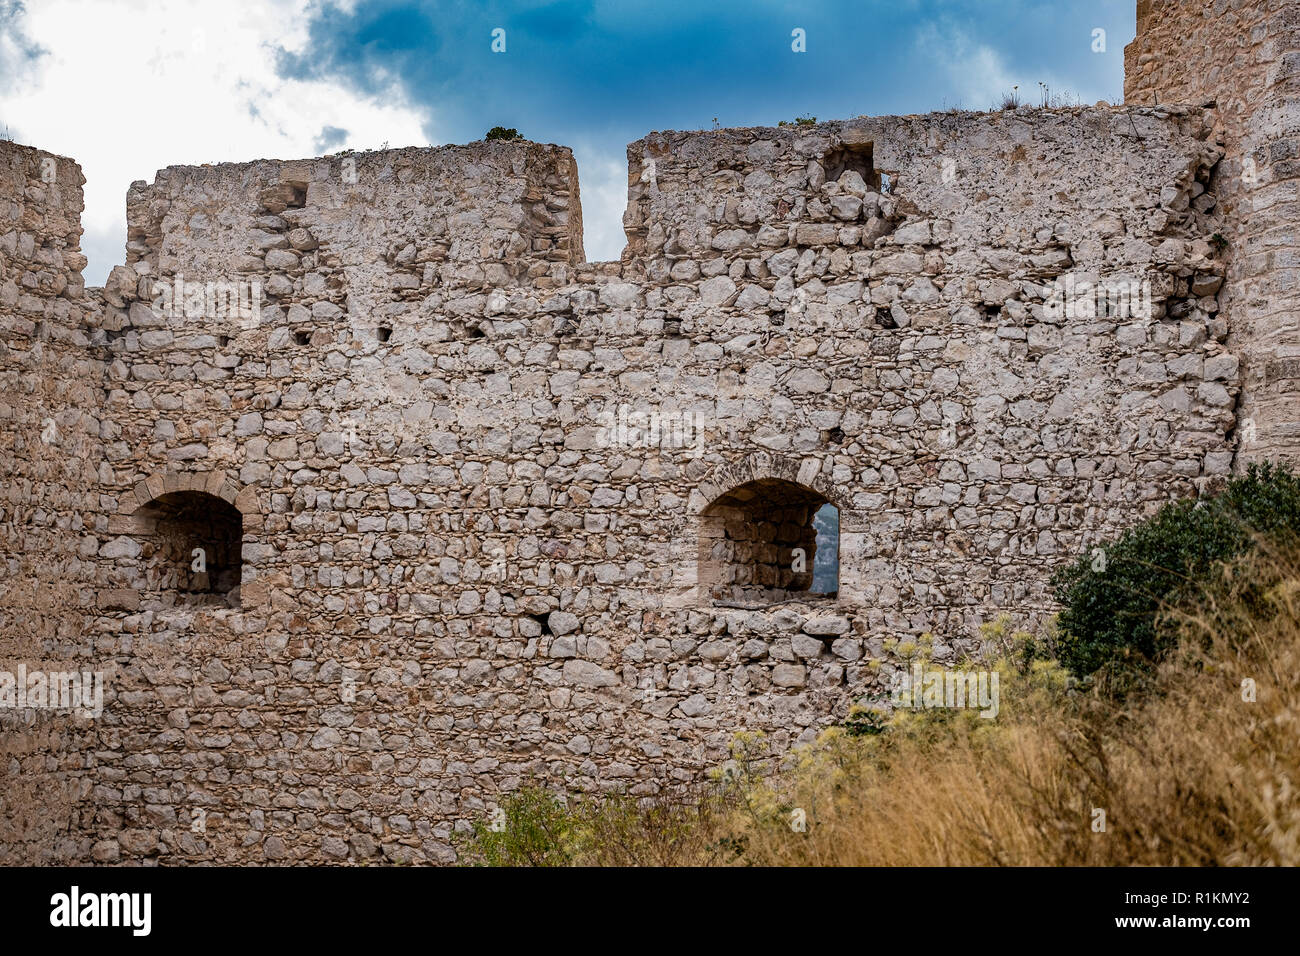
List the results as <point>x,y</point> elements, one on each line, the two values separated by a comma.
<point>1188,772</point>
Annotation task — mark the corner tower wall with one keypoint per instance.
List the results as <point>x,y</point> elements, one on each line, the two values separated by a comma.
<point>1244,55</point>
<point>50,513</point>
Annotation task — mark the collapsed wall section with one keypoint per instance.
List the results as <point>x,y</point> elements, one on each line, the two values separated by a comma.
<point>486,214</point>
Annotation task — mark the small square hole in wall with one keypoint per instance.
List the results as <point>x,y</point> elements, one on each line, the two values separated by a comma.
<point>223,341</point>
<point>384,333</point>
<point>857,157</point>
<point>296,197</point>
<point>301,338</point>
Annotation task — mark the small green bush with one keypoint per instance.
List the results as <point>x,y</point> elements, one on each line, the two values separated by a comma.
<point>865,722</point>
<point>804,120</point>
<point>532,828</point>
<point>500,132</point>
<point>1113,601</point>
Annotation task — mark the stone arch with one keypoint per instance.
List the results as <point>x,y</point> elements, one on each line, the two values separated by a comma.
<point>170,515</point>
<point>216,483</point>
<point>806,472</point>
<point>756,536</point>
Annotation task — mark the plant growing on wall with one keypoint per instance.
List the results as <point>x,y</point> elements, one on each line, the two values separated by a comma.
<point>1114,597</point>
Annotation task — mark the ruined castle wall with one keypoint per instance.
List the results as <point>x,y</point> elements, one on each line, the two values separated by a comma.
<point>49,509</point>
<point>1245,56</point>
<point>460,569</point>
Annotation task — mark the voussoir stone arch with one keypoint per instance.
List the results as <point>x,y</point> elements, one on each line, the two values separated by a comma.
<point>758,466</point>
<point>152,508</point>
<point>216,483</point>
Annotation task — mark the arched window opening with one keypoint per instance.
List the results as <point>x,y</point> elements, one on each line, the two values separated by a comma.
<point>768,540</point>
<point>193,554</point>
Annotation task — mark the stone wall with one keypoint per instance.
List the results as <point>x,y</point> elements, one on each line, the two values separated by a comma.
<point>501,514</point>
<point>49,511</point>
<point>1244,55</point>
<point>476,477</point>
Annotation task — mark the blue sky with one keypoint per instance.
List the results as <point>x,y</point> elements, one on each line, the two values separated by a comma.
<point>584,69</point>
<point>290,78</point>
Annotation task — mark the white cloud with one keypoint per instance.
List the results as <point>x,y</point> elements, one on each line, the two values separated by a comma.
<point>978,76</point>
<point>602,181</point>
<point>128,88</point>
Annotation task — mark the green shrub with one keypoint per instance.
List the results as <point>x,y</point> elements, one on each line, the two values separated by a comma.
<point>534,827</point>
<point>865,721</point>
<point>500,132</point>
<point>1113,600</point>
<point>531,828</point>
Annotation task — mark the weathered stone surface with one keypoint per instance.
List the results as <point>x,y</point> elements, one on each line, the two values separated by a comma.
<point>589,674</point>
<point>827,626</point>
<point>473,498</point>
<point>1173,59</point>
